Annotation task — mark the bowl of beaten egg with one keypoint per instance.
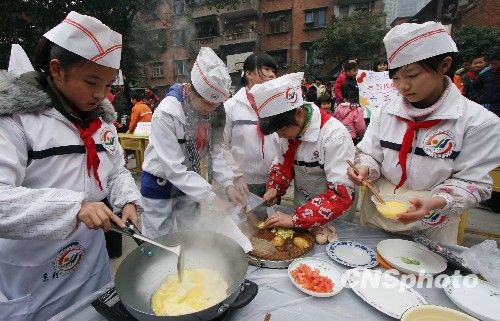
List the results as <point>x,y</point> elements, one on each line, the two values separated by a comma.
<point>394,205</point>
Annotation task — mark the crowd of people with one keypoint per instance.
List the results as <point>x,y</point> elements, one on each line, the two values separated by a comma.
<point>63,176</point>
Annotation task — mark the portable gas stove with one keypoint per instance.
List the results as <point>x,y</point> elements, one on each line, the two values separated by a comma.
<point>110,306</point>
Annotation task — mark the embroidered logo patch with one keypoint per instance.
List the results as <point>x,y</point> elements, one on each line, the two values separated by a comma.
<point>69,258</point>
<point>435,220</point>
<point>291,95</point>
<point>439,144</point>
<point>108,140</point>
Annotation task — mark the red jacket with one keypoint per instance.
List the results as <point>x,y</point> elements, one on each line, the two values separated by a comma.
<point>339,84</point>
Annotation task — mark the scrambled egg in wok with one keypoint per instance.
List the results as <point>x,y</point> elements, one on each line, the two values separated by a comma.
<point>199,289</point>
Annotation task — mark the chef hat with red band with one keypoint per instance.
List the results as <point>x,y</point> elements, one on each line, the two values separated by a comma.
<point>408,43</point>
<point>89,38</point>
<point>278,95</point>
<point>210,77</point>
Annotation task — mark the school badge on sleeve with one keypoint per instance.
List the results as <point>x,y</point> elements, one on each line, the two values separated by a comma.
<point>435,220</point>
<point>108,140</point>
<point>439,143</point>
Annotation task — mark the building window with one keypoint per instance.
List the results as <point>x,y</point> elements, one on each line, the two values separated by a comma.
<point>179,37</point>
<point>180,67</point>
<point>310,57</point>
<point>280,56</point>
<point>205,29</point>
<point>344,11</point>
<point>157,70</point>
<point>315,18</point>
<point>278,23</point>
<point>362,7</point>
<point>178,7</point>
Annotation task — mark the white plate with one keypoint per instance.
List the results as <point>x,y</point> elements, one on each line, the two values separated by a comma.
<point>352,254</point>
<point>326,268</point>
<point>435,313</point>
<point>476,297</point>
<point>410,257</point>
<point>383,291</point>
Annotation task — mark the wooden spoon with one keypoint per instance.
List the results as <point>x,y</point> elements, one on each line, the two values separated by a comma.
<point>367,184</point>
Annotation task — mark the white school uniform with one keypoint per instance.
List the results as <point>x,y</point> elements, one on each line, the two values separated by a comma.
<point>241,135</point>
<point>451,159</point>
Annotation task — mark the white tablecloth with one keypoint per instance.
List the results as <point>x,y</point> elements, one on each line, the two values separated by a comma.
<point>278,296</point>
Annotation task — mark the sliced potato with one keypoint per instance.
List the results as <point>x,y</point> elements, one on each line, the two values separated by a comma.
<point>285,233</point>
<point>278,241</point>
<point>300,242</point>
<point>261,225</point>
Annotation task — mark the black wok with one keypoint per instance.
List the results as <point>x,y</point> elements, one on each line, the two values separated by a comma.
<point>139,275</point>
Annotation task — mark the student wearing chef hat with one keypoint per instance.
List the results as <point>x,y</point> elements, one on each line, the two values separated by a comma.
<point>19,62</point>
<point>317,147</point>
<point>60,163</point>
<point>253,152</point>
<point>431,144</point>
<point>182,147</point>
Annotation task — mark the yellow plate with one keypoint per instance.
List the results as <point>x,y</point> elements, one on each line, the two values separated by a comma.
<point>434,313</point>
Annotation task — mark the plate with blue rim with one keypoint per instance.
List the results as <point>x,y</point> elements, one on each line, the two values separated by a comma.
<point>352,254</point>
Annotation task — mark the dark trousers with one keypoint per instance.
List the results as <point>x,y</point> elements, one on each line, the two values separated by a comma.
<point>113,239</point>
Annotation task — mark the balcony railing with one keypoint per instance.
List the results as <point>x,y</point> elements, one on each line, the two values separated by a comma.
<point>240,37</point>
<point>213,42</point>
<point>245,7</point>
<point>228,39</point>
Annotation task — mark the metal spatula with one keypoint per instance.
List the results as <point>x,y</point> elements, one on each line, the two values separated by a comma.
<point>131,230</point>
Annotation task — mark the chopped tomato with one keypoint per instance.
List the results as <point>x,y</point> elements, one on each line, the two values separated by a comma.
<point>311,280</point>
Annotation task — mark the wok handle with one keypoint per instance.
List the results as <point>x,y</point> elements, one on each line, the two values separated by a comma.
<point>248,292</point>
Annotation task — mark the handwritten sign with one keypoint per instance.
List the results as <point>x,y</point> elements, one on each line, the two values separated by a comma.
<point>375,90</point>
<point>143,129</point>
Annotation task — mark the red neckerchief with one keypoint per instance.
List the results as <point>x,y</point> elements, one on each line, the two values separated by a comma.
<point>201,136</point>
<point>407,142</point>
<point>472,74</point>
<point>253,104</point>
<point>88,141</point>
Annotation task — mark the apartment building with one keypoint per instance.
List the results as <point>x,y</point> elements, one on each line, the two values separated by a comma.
<point>285,29</point>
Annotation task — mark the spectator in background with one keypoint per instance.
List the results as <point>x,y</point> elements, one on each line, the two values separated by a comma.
<point>140,112</point>
<point>485,90</point>
<point>151,97</point>
<point>339,83</point>
<point>324,102</point>
<point>123,106</point>
<point>349,112</point>
<point>312,95</point>
<point>350,83</point>
<point>478,63</point>
<point>320,88</point>
<point>457,77</point>
<point>380,65</point>
<point>304,91</point>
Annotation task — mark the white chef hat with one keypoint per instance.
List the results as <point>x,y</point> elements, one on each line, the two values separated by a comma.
<point>411,42</point>
<point>19,62</point>
<point>119,79</point>
<point>88,37</point>
<point>278,95</point>
<point>210,77</point>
